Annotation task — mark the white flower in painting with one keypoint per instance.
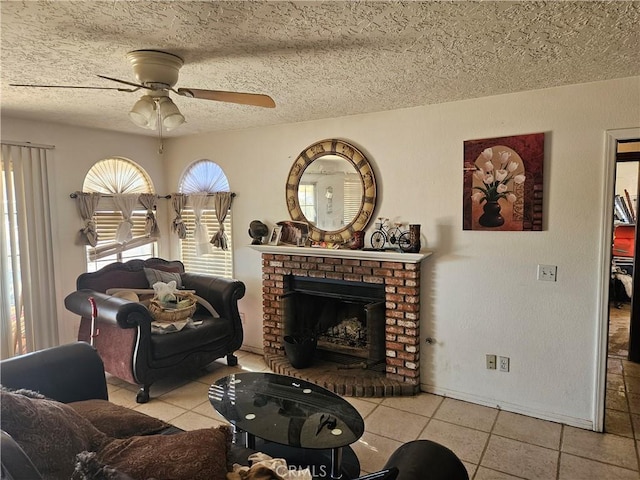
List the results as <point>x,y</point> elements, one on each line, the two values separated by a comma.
<point>476,197</point>
<point>504,157</point>
<point>493,181</point>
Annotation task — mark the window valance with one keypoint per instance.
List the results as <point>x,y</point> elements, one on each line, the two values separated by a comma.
<point>109,229</point>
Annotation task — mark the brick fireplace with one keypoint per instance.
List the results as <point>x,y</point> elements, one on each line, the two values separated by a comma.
<point>397,273</point>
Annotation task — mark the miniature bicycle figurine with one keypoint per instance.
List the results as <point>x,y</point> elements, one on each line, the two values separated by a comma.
<point>394,235</point>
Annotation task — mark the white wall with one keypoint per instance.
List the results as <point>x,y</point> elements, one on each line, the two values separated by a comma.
<point>479,289</point>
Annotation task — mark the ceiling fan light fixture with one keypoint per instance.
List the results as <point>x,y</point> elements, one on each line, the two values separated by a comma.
<point>143,112</point>
<point>170,114</point>
<point>153,121</point>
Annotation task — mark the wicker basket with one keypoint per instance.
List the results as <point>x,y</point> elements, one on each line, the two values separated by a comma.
<point>162,314</point>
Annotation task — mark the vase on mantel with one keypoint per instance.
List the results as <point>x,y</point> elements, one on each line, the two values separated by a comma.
<point>491,216</point>
<point>414,238</point>
<point>357,240</point>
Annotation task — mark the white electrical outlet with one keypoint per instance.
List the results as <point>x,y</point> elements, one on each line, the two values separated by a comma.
<point>547,273</point>
<point>504,364</point>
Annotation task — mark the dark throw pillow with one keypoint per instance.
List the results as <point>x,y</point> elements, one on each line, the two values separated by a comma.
<point>154,276</point>
<point>195,455</point>
<point>51,433</point>
<point>117,421</point>
<point>89,468</point>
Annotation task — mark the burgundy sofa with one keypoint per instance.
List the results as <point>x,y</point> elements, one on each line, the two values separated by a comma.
<point>124,336</point>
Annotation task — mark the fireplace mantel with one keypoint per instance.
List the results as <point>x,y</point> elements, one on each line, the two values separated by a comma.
<point>385,256</point>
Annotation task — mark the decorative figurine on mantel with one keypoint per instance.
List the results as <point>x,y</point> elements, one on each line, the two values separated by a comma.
<point>395,236</point>
<point>257,230</point>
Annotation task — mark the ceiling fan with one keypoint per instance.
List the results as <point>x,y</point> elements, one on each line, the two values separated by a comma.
<point>157,73</point>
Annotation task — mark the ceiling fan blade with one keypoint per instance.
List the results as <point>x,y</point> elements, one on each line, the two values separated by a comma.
<point>72,86</point>
<point>126,82</point>
<point>254,99</point>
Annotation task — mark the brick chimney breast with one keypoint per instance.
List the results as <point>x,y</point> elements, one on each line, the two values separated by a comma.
<point>401,280</point>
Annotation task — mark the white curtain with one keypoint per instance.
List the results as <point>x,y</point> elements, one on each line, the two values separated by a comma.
<point>201,233</point>
<point>28,319</point>
<point>125,202</point>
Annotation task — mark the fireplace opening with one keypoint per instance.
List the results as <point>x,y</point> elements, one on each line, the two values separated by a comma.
<point>348,318</point>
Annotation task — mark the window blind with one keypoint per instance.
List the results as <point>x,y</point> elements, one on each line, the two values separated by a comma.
<point>117,174</point>
<point>107,224</point>
<point>219,262</point>
<point>307,200</point>
<point>352,200</point>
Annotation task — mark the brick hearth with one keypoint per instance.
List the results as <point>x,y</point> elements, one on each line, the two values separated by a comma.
<point>401,282</point>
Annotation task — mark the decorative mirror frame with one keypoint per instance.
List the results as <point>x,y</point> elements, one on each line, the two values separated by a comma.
<point>354,156</point>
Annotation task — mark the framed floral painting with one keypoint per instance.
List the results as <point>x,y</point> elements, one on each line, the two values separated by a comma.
<point>503,183</point>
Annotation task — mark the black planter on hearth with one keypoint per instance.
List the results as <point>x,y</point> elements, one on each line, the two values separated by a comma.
<point>300,350</point>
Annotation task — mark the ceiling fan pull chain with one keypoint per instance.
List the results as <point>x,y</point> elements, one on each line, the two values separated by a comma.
<point>156,100</point>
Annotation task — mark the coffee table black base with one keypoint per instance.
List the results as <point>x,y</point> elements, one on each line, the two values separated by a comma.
<point>318,461</point>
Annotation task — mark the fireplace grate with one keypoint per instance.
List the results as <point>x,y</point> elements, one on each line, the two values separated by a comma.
<point>350,332</point>
<point>349,361</point>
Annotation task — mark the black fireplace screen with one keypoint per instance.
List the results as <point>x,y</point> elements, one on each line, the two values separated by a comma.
<point>348,318</point>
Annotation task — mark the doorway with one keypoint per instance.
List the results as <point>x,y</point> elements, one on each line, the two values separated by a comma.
<point>625,211</point>
<point>622,408</point>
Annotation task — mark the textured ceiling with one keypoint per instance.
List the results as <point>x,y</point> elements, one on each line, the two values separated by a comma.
<point>316,59</point>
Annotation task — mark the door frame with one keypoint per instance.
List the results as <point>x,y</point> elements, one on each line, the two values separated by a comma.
<point>606,236</point>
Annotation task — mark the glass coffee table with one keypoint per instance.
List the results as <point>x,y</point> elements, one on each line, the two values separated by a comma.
<point>289,412</point>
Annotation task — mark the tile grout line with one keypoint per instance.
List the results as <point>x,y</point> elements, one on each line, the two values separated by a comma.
<point>486,445</point>
<point>633,429</point>
<point>430,418</point>
<point>562,428</point>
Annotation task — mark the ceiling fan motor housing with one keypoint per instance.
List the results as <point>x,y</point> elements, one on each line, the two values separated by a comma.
<point>153,67</point>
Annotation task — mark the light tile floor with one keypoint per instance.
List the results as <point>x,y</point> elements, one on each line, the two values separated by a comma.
<point>492,444</point>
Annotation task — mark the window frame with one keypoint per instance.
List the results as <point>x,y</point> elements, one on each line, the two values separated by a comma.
<point>110,176</point>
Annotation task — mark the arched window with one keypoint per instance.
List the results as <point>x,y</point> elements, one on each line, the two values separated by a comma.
<point>112,176</point>
<point>117,175</point>
<point>205,177</point>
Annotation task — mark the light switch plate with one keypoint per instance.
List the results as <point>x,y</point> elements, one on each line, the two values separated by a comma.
<point>491,361</point>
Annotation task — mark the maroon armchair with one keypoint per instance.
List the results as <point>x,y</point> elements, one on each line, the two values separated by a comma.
<point>124,336</point>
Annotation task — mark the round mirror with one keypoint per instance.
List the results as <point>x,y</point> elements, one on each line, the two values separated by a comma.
<point>332,188</point>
